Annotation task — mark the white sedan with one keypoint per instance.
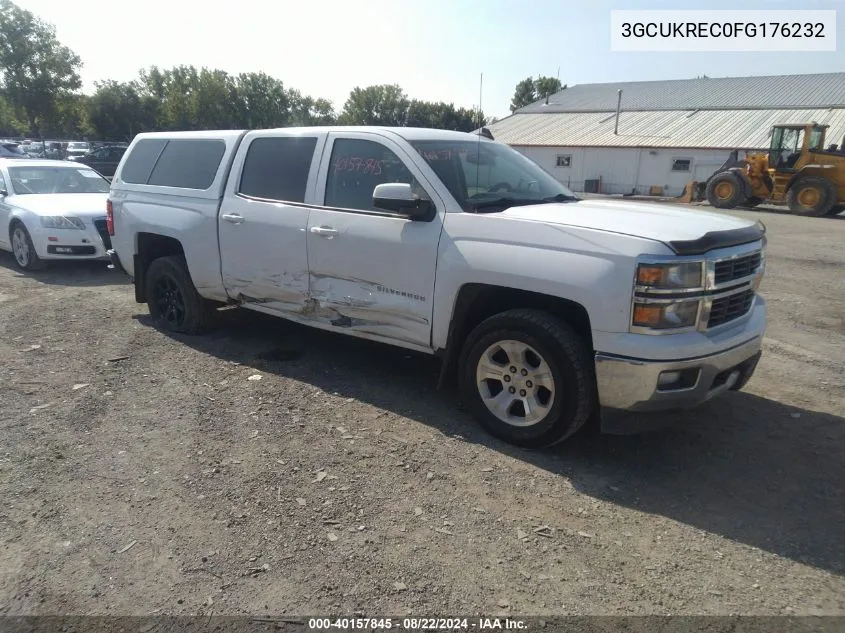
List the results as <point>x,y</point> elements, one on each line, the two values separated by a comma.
<point>52,210</point>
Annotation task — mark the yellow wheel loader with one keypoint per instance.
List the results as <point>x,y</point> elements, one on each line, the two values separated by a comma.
<point>797,171</point>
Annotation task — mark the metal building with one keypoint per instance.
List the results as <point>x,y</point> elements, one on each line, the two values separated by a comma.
<point>667,132</point>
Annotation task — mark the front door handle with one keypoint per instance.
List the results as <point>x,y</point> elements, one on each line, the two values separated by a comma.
<point>233,218</point>
<point>323,231</point>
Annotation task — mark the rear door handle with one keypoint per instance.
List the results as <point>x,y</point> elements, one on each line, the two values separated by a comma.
<point>233,218</point>
<point>323,231</point>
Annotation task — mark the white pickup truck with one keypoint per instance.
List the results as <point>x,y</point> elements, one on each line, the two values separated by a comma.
<point>548,310</point>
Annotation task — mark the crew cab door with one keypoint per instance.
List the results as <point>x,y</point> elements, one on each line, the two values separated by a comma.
<point>371,271</point>
<point>263,219</point>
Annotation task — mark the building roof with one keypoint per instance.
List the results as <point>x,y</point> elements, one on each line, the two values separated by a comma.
<point>722,129</point>
<point>738,93</point>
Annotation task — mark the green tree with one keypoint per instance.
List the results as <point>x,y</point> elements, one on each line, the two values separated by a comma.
<point>524,94</point>
<point>10,123</point>
<point>547,86</point>
<point>306,110</point>
<point>442,116</point>
<point>385,104</point>
<point>530,90</point>
<point>118,111</point>
<point>261,101</point>
<point>37,70</point>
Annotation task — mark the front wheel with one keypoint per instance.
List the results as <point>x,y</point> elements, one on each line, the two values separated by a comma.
<point>724,191</point>
<point>527,378</point>
<point>24,250</point>
<point>173,301</point>
<point>811,196</point>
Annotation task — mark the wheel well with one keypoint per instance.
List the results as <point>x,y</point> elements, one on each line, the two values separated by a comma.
<point>477,302</point>
<point>14,222</point>
<point>151,246</point>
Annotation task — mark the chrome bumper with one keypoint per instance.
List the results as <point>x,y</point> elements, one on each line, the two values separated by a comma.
<point>629,384</point>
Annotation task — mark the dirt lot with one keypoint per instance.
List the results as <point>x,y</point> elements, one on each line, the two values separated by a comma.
<point>169,482</point>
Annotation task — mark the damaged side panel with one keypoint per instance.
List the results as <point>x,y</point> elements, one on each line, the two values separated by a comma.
<point>369,307</point>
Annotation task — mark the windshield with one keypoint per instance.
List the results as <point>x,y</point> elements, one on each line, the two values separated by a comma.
<point>35,180</point>
<point>13,148</point>
<point>490,176</point>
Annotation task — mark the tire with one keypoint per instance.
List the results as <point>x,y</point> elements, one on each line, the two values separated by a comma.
<point>724,191</point>
<point>23,250</point>
<point>836,210</point>
<point>565,399</point>
<point>811,196</point>
<point>173,301</point>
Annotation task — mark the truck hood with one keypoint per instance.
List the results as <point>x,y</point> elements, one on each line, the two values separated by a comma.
<point>83,205</point>
<point>685,231</point>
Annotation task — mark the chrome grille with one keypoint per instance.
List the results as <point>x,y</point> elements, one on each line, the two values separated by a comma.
<point>727,309</point>
<point>737,268</point>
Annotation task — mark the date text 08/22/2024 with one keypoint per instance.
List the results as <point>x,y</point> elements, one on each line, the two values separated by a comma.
<point>416,624</point>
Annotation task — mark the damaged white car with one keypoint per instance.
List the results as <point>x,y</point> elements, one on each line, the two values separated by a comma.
<point>52,210</point>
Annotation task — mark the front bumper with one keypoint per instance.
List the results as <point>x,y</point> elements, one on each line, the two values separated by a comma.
<point>629,384</point>
<point>87,243</point>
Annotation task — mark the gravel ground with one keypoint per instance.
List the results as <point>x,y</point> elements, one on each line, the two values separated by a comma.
<point>144,473</point>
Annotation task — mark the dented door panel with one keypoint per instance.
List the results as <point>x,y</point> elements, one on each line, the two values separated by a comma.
<point>264,257</point>
<point>376,275</point>
<point>264,218</point>
<point>371,272</point>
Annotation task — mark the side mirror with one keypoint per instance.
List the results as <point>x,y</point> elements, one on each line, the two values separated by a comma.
<point>400,198</point>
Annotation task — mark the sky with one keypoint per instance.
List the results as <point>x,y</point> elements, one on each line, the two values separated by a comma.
<point>436,50</point>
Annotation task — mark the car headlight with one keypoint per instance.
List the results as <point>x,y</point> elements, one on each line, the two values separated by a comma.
<point>61,222</point>
<point>674,276</point>
<point>666,316</point>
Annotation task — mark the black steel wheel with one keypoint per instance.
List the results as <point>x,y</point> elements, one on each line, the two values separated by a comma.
<point>173,301</point>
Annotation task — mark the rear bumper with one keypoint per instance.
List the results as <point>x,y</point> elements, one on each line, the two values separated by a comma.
<point>630,384</point>
<point>114,261</point>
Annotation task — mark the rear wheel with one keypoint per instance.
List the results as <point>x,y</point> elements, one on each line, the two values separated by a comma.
<point>527,378</point>
<point>23,249</point>
<point>812,196</point>
<point>724,191</point>
<point>173,301</point>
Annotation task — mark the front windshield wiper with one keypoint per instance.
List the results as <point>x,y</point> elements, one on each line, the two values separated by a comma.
<point>504,203</point>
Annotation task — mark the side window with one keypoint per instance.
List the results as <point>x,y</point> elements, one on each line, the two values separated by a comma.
<point>101,154</point>
<point>276,168</point>
<point>188,163</point>
<point>356,167</point>
<point>141,160</point>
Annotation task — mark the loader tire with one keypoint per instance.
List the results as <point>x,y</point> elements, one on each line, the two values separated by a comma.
<point>724,191</point>
<point>811,196</point>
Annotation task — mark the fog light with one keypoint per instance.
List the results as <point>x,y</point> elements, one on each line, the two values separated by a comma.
<point>668,378</point>
<point>677,379</point>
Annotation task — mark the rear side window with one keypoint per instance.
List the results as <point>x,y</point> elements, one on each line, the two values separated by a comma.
<point>188,163</point>
<point>141,161</point>
<point>277,168</point>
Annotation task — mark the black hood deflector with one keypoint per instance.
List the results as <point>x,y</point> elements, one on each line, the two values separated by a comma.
<point>718,239</point>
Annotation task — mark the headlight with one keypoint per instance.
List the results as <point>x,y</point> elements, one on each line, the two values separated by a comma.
<point>675,276</point>
<point>666,316</point>
<point>61,222</point>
